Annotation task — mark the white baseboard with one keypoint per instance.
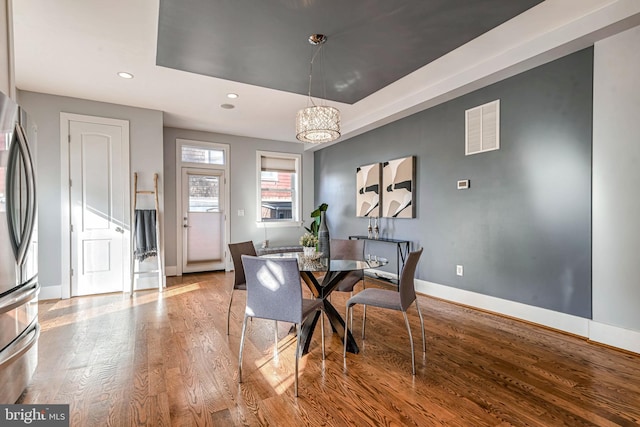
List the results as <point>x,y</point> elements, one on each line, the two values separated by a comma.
<point>50,292</point>
<point>170,270</point>
<point>614,336</point>
<point>605,334</point>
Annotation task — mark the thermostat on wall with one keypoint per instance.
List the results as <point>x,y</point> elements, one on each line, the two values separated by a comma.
<point>463,184</point>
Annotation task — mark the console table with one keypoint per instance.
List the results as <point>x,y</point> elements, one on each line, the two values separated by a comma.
<point>402,250</point>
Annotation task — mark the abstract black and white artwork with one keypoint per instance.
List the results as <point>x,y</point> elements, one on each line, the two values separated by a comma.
<point>368,190</point>
<point>398,188</point>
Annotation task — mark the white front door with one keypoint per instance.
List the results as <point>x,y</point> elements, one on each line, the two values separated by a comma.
<point>203,220</point>
<point>99,200</point>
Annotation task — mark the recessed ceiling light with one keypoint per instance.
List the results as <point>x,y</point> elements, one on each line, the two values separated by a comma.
<point>125,75</point>
<point>232,95</point>
<point>228,106</point>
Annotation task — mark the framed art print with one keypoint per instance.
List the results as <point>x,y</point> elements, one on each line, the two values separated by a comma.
<point>368,190</point>
<point>398,188</point>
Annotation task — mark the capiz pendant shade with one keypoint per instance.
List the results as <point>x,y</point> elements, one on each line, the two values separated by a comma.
<point>318,124</point>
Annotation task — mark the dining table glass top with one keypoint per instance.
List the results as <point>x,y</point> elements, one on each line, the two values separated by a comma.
<point>318,263</point>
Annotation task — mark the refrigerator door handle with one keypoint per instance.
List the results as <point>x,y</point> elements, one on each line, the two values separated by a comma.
<point>19,297</point>
<point>10,188</point>
<point>27,162</point>
<point>21,344</point>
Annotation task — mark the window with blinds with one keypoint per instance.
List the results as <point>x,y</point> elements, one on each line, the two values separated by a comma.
<point>279,187</point>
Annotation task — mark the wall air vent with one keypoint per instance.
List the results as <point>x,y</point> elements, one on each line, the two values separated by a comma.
<point>482,128</point>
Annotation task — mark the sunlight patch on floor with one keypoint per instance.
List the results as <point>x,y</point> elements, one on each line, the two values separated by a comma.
<point>125,303</point>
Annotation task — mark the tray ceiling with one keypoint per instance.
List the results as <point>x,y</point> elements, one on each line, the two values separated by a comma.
<point>370,43</point>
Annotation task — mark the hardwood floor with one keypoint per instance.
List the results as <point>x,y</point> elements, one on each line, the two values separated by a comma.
<point>165,359</point>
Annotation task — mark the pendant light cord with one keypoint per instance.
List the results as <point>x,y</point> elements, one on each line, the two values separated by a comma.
<point>311,72</point>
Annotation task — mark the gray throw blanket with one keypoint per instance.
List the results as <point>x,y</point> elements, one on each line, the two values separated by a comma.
<point>145,229</point>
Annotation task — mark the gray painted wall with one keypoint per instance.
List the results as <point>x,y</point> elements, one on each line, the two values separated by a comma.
<point>145,128</point>
<point>523,229</point>
<point>243,191</point>
<point>616,174</point>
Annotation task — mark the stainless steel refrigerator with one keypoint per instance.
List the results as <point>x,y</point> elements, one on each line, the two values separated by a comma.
<point>19,329</point>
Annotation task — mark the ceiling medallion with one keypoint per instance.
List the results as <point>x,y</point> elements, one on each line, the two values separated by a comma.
<point>317,123</point>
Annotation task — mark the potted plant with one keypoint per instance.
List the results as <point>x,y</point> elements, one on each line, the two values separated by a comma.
<point>308,242</point>
<point>316,216</point>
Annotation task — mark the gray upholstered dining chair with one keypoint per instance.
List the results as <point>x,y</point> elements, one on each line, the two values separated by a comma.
<point>239,281</point>
<point>274,292</point>
<point>348,249</point>
<point>392,300</point>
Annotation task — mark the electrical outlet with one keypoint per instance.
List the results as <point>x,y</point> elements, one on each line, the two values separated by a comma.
<point>463,184</point>
<point>459,270</point>
<point>240,212</point>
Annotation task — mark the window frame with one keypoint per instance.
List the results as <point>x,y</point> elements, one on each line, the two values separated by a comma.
<point>295,221</point>
<point>205,145</point>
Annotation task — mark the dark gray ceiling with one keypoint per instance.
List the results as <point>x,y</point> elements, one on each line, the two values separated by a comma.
<point>371,43</point>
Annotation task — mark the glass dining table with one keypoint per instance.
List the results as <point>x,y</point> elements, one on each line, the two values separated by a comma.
<point>334,271</point>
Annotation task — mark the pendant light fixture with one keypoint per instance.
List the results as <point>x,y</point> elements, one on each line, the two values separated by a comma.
<point>317,123</point>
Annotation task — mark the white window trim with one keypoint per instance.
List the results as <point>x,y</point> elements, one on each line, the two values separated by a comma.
<point>296,220</point>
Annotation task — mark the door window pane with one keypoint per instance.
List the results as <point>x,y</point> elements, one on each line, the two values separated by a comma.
<point>204,193</point>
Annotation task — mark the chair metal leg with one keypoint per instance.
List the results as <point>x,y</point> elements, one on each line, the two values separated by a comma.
<point>364,311</point>
<point>413,359</point>
<point>229,310</point>
<point>364,308</point>
<point>351,318</point>
<point>364,318</point>
<point>275,347</point>
<point>295,387</point>
<point>244,328</point>
<point>424,343</point>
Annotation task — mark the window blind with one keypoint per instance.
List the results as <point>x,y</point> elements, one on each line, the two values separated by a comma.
<point>277,164</point>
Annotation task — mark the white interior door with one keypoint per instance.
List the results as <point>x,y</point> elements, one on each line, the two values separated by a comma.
<point>99,194</point>
<point>203,220</point>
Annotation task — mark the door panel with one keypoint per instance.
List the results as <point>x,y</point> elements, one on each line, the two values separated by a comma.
<point>204,237</point>
<point>96,256</point>
<point>203,220</point>
<point>98,249</point>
